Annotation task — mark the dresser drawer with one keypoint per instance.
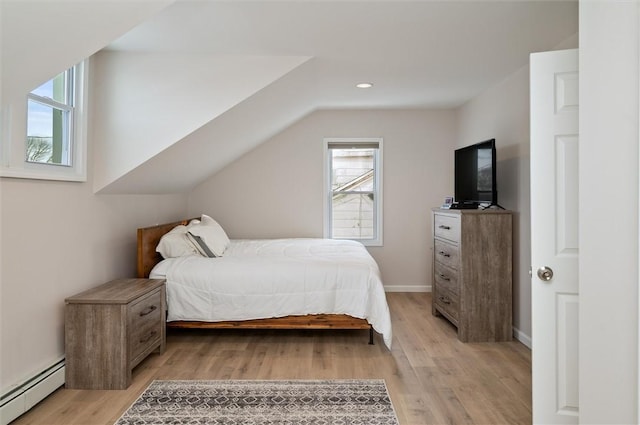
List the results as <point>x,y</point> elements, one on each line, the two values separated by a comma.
<point>448,304</point>
<point>446,277</point>
<point>447,227</point>
<point>446,253</point>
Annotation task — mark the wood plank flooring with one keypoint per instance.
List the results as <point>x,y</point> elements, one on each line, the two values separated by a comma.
<point>431,376</point>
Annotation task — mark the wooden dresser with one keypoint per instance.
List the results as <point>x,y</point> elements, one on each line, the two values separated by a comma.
<point>110,329</point>
<point>472,272</point>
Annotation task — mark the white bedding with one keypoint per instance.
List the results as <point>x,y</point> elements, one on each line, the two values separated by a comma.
<point>258,279</point>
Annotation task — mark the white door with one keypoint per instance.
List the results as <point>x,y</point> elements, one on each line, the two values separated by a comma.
<point>554,236</point>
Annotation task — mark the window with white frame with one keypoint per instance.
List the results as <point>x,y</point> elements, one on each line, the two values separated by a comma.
<point>353,190</point>
<point>50,116</point>
<point>51,144</point>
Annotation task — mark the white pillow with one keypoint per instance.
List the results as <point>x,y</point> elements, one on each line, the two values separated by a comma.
<point>176,244</point>
<point>212,234</point>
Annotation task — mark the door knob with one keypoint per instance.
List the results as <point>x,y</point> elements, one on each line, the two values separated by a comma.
<point>545,273</point>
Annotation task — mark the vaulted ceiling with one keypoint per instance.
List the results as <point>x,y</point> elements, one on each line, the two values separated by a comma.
<point>201,82</point>
<point>417,53</point>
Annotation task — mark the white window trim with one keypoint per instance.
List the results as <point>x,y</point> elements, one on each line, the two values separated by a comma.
<point>13,162</point>
<point>378,241</point>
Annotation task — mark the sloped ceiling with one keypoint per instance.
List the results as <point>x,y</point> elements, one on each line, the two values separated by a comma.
<point>148,102</point>
<point>418,54</point>
<point>41,38</point>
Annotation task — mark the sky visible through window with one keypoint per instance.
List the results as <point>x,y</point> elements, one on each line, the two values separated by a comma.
<point>40,122</point>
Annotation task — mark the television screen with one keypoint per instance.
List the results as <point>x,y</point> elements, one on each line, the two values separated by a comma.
<point>475,174</point>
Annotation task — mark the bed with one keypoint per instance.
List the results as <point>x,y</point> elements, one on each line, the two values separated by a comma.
<point>334,285</point>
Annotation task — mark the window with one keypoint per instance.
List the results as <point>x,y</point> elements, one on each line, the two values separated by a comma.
<point>47,138</point>
<point>353,190</point>
<point>50,111</point>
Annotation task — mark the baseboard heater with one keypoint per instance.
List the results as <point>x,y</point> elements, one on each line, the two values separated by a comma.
<point>23,397</point>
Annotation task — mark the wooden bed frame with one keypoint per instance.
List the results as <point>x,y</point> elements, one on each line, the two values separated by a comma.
<point>148,239</point>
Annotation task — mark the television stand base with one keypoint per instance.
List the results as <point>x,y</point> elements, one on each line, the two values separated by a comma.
<point>464,206</point>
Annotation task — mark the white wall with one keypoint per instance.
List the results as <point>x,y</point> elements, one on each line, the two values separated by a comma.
<point>73,32</point>
<point>57,238</point>
<point>609,135</point>
<point>276,189</point>
<point>502,112</point>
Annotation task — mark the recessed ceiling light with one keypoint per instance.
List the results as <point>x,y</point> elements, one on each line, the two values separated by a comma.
<point>364,85</point>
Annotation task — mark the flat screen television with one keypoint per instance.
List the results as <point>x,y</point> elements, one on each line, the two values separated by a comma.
<point>475,175</point>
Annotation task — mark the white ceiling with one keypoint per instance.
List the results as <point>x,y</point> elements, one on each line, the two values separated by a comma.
<point>418,53</point>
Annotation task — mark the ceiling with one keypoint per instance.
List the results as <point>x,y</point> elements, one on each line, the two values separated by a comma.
<point>436,54</point>
<point>417,54</point>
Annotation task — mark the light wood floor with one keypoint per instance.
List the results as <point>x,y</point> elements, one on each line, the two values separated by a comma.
<point>431,376</point>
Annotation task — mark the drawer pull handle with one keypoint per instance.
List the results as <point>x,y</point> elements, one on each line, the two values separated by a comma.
<point>444,277</point>
<point>442,226</point>
<point>148,337</point>
<point>445,300</point>
<point>444,254</point>
<point>148,310</point>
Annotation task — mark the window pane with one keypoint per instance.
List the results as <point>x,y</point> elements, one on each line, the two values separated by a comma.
<point>47,134</point>
<point>352,215</point>
<point>45,90</point>
<point>55,88</point>
<point>39,132</point>
<point>352,169</point>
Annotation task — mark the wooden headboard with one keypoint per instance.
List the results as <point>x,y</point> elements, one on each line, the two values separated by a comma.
<point>148,238</point>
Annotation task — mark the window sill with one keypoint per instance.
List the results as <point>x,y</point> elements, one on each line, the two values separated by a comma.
<point>38,174</point>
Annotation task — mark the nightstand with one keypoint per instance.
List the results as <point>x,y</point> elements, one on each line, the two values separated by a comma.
<point>110,329</point>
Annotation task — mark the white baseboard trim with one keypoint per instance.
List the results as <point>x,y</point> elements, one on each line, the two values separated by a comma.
<point>24,396</point>
<point>407,288</point>
<point>522,337</point>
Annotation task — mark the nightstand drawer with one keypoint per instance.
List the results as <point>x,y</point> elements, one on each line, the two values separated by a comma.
<point>146,310</point>
<point>447,227</point>
<point>145,318</point>
<point>446,277</point>
<point>446,254</point>
<point>142,340</point>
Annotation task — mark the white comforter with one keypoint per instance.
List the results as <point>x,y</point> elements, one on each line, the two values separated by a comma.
<point>258,279</point>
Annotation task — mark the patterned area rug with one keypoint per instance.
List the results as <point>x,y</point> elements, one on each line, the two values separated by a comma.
<point>334,402</point>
